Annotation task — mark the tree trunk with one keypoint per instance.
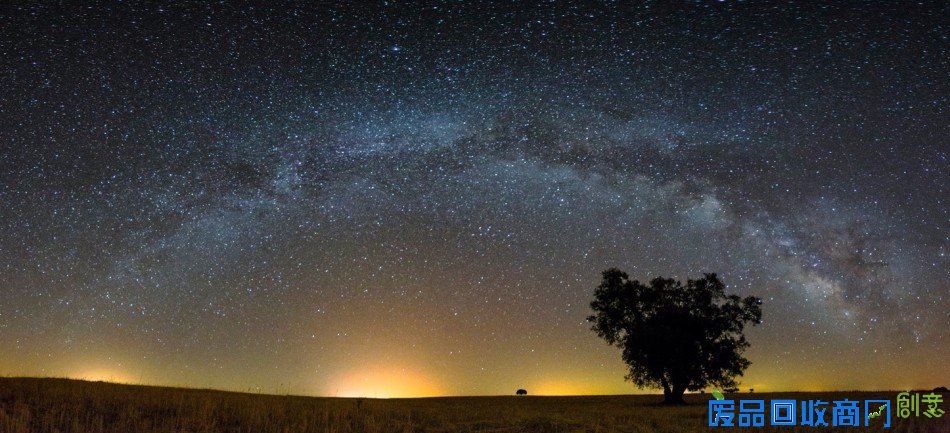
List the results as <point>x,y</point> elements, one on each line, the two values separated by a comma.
<point>667,392</point>
<point>674,395</point>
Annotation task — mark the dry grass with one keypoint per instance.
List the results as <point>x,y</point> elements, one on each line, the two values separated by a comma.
<point>68,406</point>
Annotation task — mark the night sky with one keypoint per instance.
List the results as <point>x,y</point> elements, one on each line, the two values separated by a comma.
<point>404,200</point>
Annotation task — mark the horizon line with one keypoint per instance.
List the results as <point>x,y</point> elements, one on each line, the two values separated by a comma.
<point>234,391</point>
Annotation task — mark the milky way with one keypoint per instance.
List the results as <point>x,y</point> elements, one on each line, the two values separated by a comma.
<point>407,200</point>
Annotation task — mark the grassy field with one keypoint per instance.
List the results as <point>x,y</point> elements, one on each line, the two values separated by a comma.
<point>60,405</point>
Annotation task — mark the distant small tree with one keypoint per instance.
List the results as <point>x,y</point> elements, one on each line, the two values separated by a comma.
<point>672,335</point>
<point>521,392</point>
<point>751,390</point>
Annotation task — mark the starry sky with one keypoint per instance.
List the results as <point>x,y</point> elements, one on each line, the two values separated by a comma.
<point>418,199</point>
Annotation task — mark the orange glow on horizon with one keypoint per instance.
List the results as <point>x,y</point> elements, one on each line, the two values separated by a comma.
<point>563,387</point>
<point>384,382</point>
<point>102,375</point>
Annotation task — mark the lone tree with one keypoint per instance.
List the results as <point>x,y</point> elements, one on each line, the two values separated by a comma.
<point>521,392</point>
<point>675,336</point>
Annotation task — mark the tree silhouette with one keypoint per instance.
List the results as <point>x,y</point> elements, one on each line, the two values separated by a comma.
<point>521,392</point>
<point>675,336</point>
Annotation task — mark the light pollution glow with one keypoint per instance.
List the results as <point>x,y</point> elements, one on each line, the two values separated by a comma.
<point>407,379</point>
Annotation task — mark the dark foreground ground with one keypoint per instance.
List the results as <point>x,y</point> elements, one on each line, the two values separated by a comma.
<point>60,405</point>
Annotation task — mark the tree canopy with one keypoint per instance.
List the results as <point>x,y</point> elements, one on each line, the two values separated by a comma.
<point>675,336</point>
